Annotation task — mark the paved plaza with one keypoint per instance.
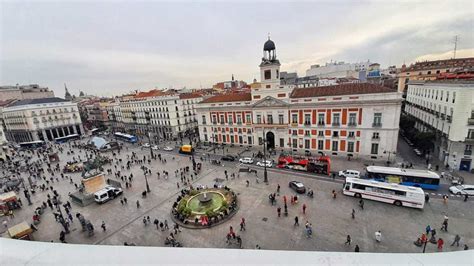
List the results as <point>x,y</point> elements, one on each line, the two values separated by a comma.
<point>330,218</point>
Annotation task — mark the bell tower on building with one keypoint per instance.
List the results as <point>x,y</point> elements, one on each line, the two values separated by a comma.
<point>270,67</point>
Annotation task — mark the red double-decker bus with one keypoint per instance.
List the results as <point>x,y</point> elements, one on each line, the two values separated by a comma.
<point>319,165</point>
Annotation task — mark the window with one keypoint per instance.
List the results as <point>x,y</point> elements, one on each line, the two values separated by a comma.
<point>350,146</point>
<point>320,119</point>
<point>282,143</point>
<point>306,133</point>
<point>294,119</point>
<point>320,133</point>
<point>269,119</point>
<point>374,149</point>
<point>335,119</point>
<point>259,119</point>
<point>335,134</point>
<point>454,97</point>
<point>307,119</point>
<point>320,144</point>
<point>294,143</point>
<point>260,141</point>
<point>447,96</point>
<point>249,140</point>
<point>306,143</point>
<point>230,119</point>
<point>294,133</point>
<point>239,119</point>
<point>351,134</point>
<point>335,145</point>
<point>375,135</point>
<point>470,134</point>
<point>377,120</point>
<point>281,119</point>
<point>352,119</point>
<point>248,118</point>
<point>203,119</point>
<point>222,119</point>
<point>268,74</point>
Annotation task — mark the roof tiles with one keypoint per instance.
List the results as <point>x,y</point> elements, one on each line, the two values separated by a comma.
<point>342,89</point>
<point>229,97</point>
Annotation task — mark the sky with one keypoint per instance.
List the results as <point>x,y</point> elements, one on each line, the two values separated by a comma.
<point>109,48</point>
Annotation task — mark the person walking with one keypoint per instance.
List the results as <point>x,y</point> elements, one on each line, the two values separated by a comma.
<point>445,199</point>
<point>466,247</point>
<point>166,225</point>
<point>138,204</point>
<point>278,190</point>
<point>440,244</point>
<point>444,226</point>
<point>103,226</point>
<point>296,221</point>
<point>121,201</point>
<point>378,236</point>
<point>304,208</point>
<point>456,240</point>
<point>334,194</point>
<point>242,224</point>
<point>353,214</point>
<point>465,197</point>
<point>357,249</point>
<point>428,230</point>
<point>348,240</point>
<point>279,211</point>
<point>156,222</point>
<point>361,203</point>
<point>125,200</point>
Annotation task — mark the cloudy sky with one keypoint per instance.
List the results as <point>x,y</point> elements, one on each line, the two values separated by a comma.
<point>108,48</point>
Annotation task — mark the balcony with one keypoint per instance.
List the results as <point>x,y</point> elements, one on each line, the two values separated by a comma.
<point>320,123</point>
<point>470,121</point>
<point>352,124</point>
<point>376,124</point>
<point>443,116</point>
<point>468,152</point>
<point>307,124</point>
<point>449,119</point>
<point>294,124</point>
<point>350,136</point>
<point>375,138</point>
<point>336,124</point>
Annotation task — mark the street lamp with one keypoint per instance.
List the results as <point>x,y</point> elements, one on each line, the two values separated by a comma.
<point>389,153</point>
<point>265,176</point>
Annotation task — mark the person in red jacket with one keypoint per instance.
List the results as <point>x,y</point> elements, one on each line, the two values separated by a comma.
<point>440,244</point>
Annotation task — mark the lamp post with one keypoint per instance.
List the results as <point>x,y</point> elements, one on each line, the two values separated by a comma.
<point>147,117</point>
<point>389,153</point>
<point>265,175</point>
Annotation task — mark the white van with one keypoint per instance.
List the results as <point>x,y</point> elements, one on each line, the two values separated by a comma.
<point>349,173</point>
<point>107,193</point>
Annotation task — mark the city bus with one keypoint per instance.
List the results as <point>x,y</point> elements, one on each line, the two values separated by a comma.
<point>67,138</point>
<point>407,177</point>
<point>126,137</point>
<point>398,195</point>
<point>32,144</point>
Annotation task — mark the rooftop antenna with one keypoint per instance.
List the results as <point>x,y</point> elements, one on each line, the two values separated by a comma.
<point>456,39</point>
<point>269,35</point>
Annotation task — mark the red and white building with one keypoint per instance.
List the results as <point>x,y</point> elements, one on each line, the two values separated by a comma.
<point>359,120</point>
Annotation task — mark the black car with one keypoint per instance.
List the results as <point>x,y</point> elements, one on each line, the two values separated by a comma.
<point>228,158</point>
<point>298,187</point>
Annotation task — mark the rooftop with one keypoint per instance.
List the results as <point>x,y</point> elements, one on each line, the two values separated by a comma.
<point>458,62</point>
<point>39,101</point>
<point>190,95</point>
<point>229,97</point>
<point>342,89</point>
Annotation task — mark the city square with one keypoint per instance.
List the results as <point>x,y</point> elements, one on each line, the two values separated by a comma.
<point>330,217</point>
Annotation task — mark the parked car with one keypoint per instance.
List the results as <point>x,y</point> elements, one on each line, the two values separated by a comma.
<point>228,158</point>
<point>247,160</point>
<point>107,193</point>
<point>267,162</point>
<point>349,173</point>
<point>298,187</point>
<point>146,145</point>
<point>155,147</point>
<point>462,190</point>
<point>168,148</point>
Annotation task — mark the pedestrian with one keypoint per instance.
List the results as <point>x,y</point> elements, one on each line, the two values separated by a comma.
<point>103,226</point>
<point>125,200</point>
<point>278,189</point>
<point>445,199</point>
<point>242,224</point>
<point>440,244</point>
<point>144,221</point>
<point>161,226</point>
<point>353,214</point>
<point>465,197</point>
<point>279,211</point>
<point>356,249</point>
<point>156,222</point>
<point>466,247</point>
<point>296,221</point>
<point>378,236</point>
<point>456,240</point>
<point>428,230</point>
<point>121,201</point>
<point>361,203</point>
<point>248,183</point>
<point>166,225</point>
<point>138,204</point>
<point>334,194</point>
<point>348,240</point>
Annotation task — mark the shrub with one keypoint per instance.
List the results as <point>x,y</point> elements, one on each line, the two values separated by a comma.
<point>210,213</point>
<point>193,192</point>
<point>181,206</point>
<point>187,211</point>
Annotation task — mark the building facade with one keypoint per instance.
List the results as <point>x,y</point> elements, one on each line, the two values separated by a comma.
<point>359,120</point>
<point>446,108</point>
<point>24,92</point>
<point>41,119</point>
<point>166,115</point>
<point>339,70</point>
<point>429,70</point>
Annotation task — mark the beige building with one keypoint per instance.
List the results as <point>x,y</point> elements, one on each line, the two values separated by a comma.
<point>430,70</point>
<point>24,92</point>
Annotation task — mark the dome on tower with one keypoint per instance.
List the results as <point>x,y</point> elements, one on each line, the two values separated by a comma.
<point>269,45</point>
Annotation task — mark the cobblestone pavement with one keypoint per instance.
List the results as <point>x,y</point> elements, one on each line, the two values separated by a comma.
<point>331,218</point>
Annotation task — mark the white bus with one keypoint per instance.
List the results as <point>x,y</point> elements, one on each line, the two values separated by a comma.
<point>385,192</point>
<point>407,177</point>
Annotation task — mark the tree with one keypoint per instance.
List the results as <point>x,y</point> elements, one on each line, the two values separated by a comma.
<point>81,94</point>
